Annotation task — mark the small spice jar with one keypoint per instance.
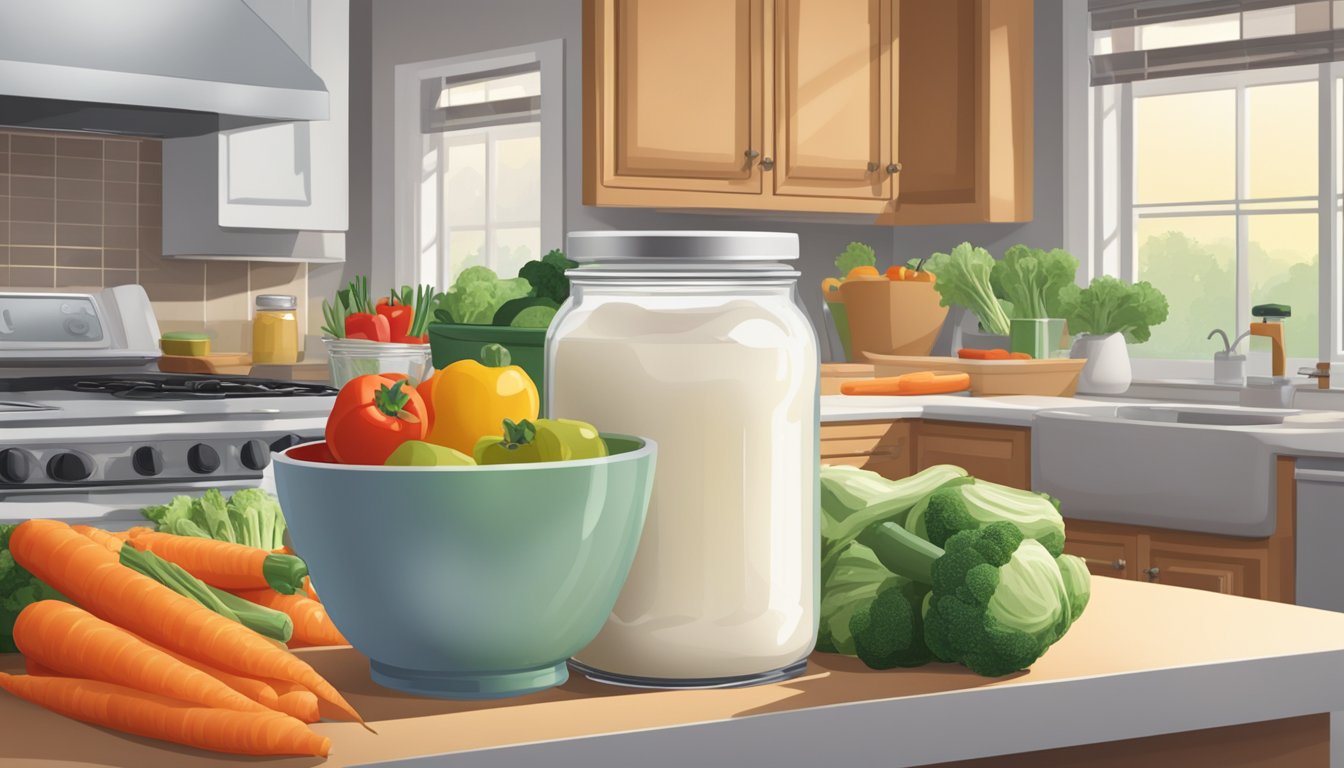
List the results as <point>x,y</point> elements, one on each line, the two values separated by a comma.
<point>275,330</point>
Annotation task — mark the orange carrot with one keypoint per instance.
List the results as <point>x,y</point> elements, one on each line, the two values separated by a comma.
<point>99,536</point>
<point>250,687</point>
<point>312,626</point>
<point>74,643</point>
<point>224,564</point>
<point>158,717</point>
<point>95,579</point>
<point>300,705</point>
<point>255,690</point>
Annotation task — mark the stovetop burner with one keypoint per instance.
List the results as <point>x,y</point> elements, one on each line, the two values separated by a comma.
<point>150,386</point>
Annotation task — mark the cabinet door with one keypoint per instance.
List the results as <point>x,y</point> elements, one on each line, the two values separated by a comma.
<point>997,454</point>
<point>1223,564</point>
<point>681,84</point>
<point>834,93</point>
<point>964,132</point>
<point>881,446</point>
<point>294,175</point>
<point>1106,551</point>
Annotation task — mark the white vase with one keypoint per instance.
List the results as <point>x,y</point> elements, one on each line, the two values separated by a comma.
<point>1106,371</point>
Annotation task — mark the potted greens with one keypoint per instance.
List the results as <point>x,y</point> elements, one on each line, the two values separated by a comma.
<point>1030,283</point>
<point>1026,284</point>
<point>1107,315</point>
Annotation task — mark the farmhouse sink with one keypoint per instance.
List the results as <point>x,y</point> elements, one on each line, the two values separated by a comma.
<point>1192,468</point>
<point>1206,416</point>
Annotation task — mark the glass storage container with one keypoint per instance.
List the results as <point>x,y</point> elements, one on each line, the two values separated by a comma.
<point>275,330</point>
<point>695,339</point>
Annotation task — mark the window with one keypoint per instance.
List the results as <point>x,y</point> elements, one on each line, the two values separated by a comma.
<point>1224,205</point>
<point>1210,187</point>
<point>479,153</point>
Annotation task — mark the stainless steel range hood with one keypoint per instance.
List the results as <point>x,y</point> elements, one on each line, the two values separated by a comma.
<point>149,67</point>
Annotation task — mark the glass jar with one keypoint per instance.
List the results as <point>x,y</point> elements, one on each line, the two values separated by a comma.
<point>694,339</point>
<point>275,330</point>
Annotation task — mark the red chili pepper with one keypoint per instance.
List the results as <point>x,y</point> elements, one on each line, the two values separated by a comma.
<point>367,326</point>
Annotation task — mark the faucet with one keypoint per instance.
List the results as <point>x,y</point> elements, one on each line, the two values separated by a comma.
<point>1276,391</point>
<point>1271,327</point>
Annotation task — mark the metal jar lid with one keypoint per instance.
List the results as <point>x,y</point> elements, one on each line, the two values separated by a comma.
<point>274,301</point>
<point>616,246</point>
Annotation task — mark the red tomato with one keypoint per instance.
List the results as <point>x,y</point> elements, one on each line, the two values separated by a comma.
<point>373,415</point>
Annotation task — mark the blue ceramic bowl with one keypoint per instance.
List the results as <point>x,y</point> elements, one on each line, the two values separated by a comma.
<point>468,582</point>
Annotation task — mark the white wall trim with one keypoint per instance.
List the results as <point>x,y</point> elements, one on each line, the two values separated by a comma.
<point>406,143</point>
<point>1078,192</point>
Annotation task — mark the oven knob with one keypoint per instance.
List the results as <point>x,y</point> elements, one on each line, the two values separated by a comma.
<point>202,459</point>
<point>147,461</point>
<point>256,454</point>
<point>15,465</point>
<point>69,467</point>
<point>284,442</point>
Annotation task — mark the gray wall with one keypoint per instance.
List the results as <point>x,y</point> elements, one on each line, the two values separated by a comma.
<point>404,31</point>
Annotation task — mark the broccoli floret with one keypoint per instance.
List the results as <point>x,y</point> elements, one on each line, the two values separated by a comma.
<point>547,282</point>
<point>998,601</point>
<point>889,631</point>
<point>556,258</point>
<point>973,505</point>
<point>476,295</point>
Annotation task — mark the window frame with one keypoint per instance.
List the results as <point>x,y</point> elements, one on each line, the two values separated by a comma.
<point>1113,215</point>
<point>409,266</point>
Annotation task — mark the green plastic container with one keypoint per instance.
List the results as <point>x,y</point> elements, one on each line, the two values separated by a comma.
<point>450,342</point>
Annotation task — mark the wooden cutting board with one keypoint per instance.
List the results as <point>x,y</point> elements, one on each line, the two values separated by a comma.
<point>238,363</point>
<point>835,374</point>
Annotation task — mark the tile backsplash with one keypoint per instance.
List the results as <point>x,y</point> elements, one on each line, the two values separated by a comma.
<point>84,211</point>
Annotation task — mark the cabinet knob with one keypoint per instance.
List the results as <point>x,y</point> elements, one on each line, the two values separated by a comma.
<point>752,154</point>
<point>893,167</point>
<point>873,167</point>
<point>1118,565</point>
<point>1151,573</point>
<point>767,163</point>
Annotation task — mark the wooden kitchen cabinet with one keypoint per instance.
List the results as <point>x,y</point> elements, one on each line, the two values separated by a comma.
<point>800,105</point>
<point>883,447</point>
<point>999,454</point>
<point>1257,568</point>
<point>1108,550</point>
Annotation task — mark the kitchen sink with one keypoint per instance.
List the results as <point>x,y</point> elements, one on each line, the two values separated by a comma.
<point>1192,468</point>
<point>1215,417</point>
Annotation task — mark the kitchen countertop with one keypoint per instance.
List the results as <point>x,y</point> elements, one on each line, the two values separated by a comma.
<point>1145,659</point>
<point>1014,410</point>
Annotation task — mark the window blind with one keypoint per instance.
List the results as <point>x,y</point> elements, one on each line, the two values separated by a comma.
<point>1146,39</point>
<point>498,97</point>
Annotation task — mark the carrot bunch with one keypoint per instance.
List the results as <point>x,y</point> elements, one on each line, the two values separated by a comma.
<point>134,655</point>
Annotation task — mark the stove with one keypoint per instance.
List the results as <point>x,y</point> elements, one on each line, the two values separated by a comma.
<point>91,431</point>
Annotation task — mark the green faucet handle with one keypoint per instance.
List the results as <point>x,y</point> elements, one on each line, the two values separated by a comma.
<point>1272,310</point>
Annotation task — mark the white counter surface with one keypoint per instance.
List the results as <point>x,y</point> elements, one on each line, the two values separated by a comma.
<point>1015,410</point>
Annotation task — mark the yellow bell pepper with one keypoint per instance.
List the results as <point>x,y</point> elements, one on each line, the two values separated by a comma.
<point>467,400</point>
